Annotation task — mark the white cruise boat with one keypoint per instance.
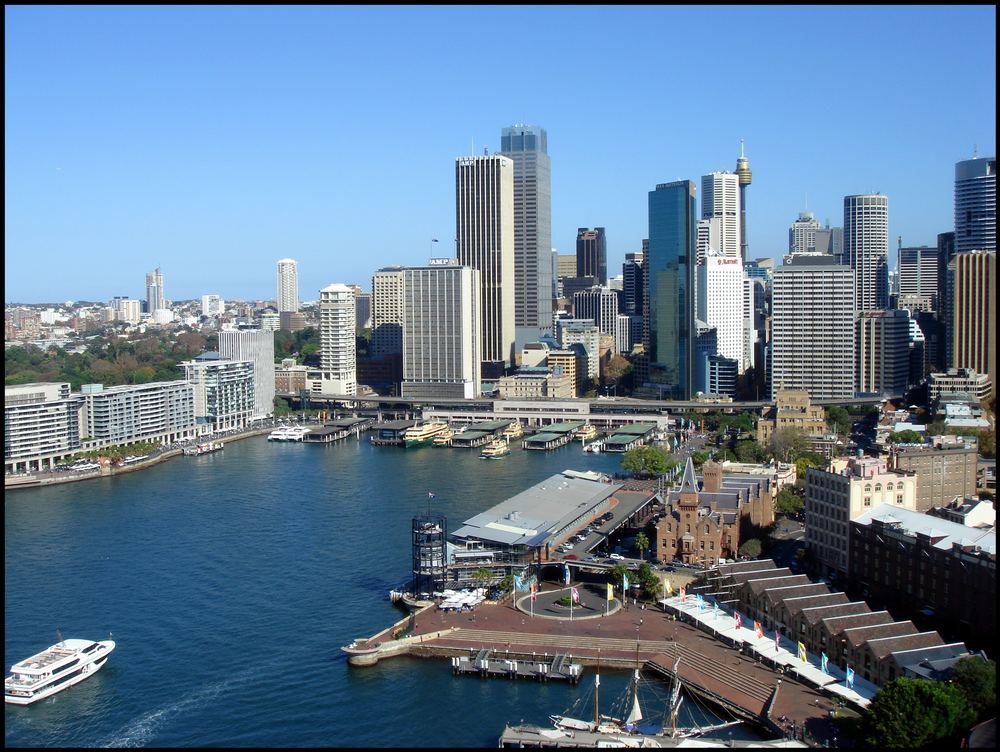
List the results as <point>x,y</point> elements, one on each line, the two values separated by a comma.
<point>60,666</point>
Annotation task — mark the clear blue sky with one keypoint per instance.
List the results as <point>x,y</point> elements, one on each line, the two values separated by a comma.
<point>214,141</point>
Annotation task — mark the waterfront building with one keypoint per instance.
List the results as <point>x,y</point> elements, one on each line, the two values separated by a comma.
<point>441,331</point>
<point>161,411</point>
<point>883,352</point>
<point>843,491</point>
<point>945,469</point>
<point>802,234</point>
<point>706,519</point>
<point>671,285</point>
<point>720,285</point>
<point>154,291</point>
<point>543,384</point>
<point>223,391</point>
<point>928,568</point>
<point>866,246</point>
<point>485,233</point>
<point>527,147</point>
<point>976,205</point>
<point>212,305</point>
<point>338,351</point>
<point>918,277</point>
<point>41,425</point>
<point>972,295</point>
<point>720,200</point>
<point>592,254</point>
<point>600,304</point>
<point>288,285</point>
<point>585,334</point>
<point>813,327</point>
<point>256,345</point>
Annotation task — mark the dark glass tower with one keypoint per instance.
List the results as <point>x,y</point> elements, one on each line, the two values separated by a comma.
<point>592,254</point>
<point>670,269</point>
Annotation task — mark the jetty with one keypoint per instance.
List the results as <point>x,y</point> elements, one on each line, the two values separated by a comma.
<point>518,665</point>
<point>337,430</point>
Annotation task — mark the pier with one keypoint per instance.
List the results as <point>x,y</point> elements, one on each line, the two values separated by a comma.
<point>337,430</point>
<point>391,432</point>
<point>518,665</point>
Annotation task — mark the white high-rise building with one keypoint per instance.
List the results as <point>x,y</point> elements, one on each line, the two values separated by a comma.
<point>337,345</point>
<point>441,332</point>
<point>866,247</point>
<point>127,309</point>
<point>484,229</point>
<point>802,234</point>
<point>720,199</point>
<point>256,345</point>
<point>709,237</point>
<point>720,302</point>
<point>599,304</point>
<point>288,286</point>
<point>224,392</point>
<point>918,273</point>
<point>154,291</point>
<point>212,305</point>
<point>812,327</point>
<point>387,311</point>
<point>583,332</point>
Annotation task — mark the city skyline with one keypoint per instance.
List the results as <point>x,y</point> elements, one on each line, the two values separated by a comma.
<point>248,148</point>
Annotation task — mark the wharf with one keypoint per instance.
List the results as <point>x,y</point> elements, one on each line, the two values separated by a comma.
<point>338,430</point>
<point>518,666</point>
<point>391,432</point>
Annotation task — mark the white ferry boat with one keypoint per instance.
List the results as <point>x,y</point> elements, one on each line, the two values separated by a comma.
<point>495,450</point>
<point>443,439</point>
<point>418,435</point>
<point>514,430</point>
<point>62,665</point>
<point>587,432</point>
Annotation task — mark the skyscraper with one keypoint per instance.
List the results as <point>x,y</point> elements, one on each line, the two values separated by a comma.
<point>972,290</point>
<point>802,234</point>
<point>720,304</point>
<point>387,311</point>
<point>599,304</point>
<point>592,254</point>
<point>484,228</point>
<point>670,268</point>
<point>976,205</point>
<point>527,147</point>
<point>441,332</point>
<point>812,327</point>
<point>866,245</point>
<point>720,199</point>
<point>918,274</point>
<point>288,286</point>
<point>255,345</point>
<point>337,347</point>
<point>633,285</point>
<point>154,291</point>
<point>883,352</point>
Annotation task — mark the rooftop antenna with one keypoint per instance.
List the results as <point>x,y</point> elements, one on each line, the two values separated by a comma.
<point>741,148</point>
<point>975,151</point>
<point>807,197</point>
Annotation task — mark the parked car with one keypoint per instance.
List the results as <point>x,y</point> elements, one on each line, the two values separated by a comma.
<point>617,557</point>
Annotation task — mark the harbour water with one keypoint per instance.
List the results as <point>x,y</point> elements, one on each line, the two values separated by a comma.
<point>229,582</point>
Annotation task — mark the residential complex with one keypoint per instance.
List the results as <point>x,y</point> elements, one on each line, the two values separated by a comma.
<point>41,425</point>
<point>256,345</point>
<point>223,391</point>
<point>288,286</point>
<point>338,349</point>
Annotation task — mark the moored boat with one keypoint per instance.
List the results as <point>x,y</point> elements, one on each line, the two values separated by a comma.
<point>587,432</point>
<point>514,430</point>
<point>496,449</point>
<point>423,434</point>
<point>64,664</point>
<point>443,439</point>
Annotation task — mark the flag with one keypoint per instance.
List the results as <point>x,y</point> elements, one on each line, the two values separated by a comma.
<point>624,582</point>
<point>517,582</point>
<point>698,599</point>
<point>576,595</point>
<point>534,591</point>
<point>759,630</point>
<point>566,573</point>
<point>802,653</point>
<point>850,677</point>
<point>670,589</point>
<point>611,592</point>
<point>739,620</point>
<point>684,594</point>
<point>777,641</point>
<point>715,610</point>
<point>822,663</point>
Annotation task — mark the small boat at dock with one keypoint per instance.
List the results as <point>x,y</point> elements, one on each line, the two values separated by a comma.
<point>495,450</point>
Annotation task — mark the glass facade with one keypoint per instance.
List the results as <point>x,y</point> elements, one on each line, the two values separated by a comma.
<point>670,265</point>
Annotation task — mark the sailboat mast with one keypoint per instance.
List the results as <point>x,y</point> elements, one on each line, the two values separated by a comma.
<point>597,693</point>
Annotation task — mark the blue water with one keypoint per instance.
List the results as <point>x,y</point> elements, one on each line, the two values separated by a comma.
<point>229,583</point>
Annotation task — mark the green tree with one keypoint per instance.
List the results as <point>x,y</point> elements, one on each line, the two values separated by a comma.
<point>641,543</point>
<point>906,437</point>
<point>618,572</point>
<point>838,419</point>
<point>806,460</point>
<point>699,458</point>
<point>750,548</point>
<point>976,679</point>
<point>787,443</point>
<point>914,713</point>
<point>482,577</point>
<point>647,461</point>
<point>788,502</point>
<point>750,451</point>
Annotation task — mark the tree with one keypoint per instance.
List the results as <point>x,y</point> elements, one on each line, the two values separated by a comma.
<point>616,369</point>
<point>641,543</point>
<point>806,460</point>
<point>618,572</point>
<point>977,680</point>
<point>750,548</point>
<point>750,451</point>
<point>788,502</point>
<point>482,576</point>
<point>788,443</point>
<point>838,419</point>
<point>914,713</point>
<point>699,458</point>
<point>906,437</point>
<point>647,461</point>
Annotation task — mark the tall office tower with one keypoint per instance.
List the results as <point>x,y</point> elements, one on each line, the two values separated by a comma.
<point>363,309</point>
<point>812,327</point>
<point>754,312</point>
<point>720,199</point>
<point>633,284</point>
<point>288,285</point>
<point>802,234</point>
<point>720,298</point>
<point>972,289</point>
<point>527,147</point>
<point>866,245</point>
<point>337,347</point>
<point>484,227</point>
<point>882,360</point>
<point>918,274</point>
<point>745,177</point>
<point>592,254</point>
<point>154,291</point>
<point>831,240</point>
<point>976,205</point>
<point>946,251</point>
<point>706,346</point>
<point>441,332</point>
<point>255,345</point>
<point>670,267</point>
<point>387,311</point>
<point>600,304</point>
<point>709,237</point>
